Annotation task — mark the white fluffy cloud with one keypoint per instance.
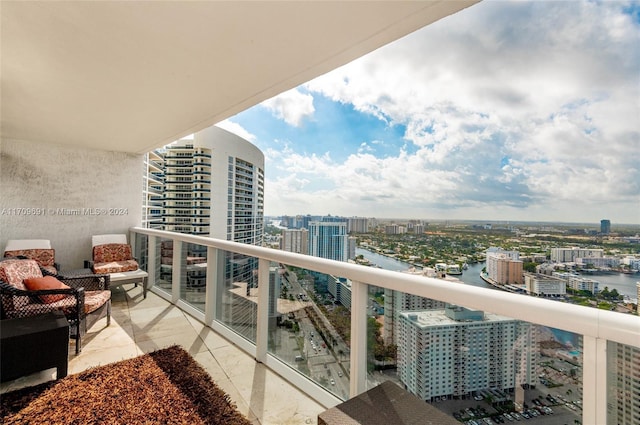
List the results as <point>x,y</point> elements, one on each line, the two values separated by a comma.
<point>291,106</point>
<point>510,105</point>
<point>511,110</point>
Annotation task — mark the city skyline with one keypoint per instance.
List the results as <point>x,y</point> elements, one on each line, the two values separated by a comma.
<point>520,111</point>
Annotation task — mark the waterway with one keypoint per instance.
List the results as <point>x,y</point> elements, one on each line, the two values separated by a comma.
<point>625,284</point>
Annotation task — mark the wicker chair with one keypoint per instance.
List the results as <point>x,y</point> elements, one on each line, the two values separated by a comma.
<point>28,290</point>
<point>34,249</point>
<point>112,254</point>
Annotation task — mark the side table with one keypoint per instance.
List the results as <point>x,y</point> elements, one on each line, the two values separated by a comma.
<point>32,344</point>
<point>115,279</point>
<point>383,405</point>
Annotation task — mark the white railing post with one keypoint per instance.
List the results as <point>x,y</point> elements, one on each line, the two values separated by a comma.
<point>176,275</point>
<point>358,357</point>
<point>211,287</point>
<point>262,319</point>
<point>594,381</point>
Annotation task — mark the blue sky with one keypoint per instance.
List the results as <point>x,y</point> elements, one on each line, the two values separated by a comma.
<point>504,111</point>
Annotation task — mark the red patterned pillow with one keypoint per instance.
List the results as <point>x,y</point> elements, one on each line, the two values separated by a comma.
<point>14,272</point>
<point>109,252</point>
<point>47,282</point>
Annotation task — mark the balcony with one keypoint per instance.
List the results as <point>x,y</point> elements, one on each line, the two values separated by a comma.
<point>140,326</point>
<point>113,133</point>
<point>222,329</point>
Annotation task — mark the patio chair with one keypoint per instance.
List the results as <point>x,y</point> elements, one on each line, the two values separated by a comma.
<point>34,249</point>
<point>25,291</point>
<point>112,255</point>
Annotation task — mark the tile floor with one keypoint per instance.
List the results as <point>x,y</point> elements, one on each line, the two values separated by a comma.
<point>143,325</point>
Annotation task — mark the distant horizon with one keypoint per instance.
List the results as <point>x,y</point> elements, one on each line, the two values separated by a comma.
<point>459,220</point>
<point>506,109</point>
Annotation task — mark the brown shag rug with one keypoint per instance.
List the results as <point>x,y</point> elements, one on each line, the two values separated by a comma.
<point>164,387</point>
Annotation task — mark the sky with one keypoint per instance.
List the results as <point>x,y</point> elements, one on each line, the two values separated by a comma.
<point>522,111</point>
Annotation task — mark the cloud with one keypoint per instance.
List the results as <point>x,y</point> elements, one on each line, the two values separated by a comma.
<point>510,110</point>
<point>553,86</point>
<point>237,129</point>
<point>291,106</point>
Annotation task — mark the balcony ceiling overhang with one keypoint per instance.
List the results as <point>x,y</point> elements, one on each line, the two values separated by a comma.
<point>133,76</point>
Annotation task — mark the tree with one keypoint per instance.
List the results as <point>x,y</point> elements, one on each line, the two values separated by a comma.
<point>614,295</point>
<point>529,267</point>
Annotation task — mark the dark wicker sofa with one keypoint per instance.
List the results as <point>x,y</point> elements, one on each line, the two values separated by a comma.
<point>83,299</point>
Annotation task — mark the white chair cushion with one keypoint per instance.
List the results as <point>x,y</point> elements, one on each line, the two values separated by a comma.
<point>20,244</point>
<point>104,239</point>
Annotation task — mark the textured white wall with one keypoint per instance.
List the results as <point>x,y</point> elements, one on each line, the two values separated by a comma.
<point>67,195</point>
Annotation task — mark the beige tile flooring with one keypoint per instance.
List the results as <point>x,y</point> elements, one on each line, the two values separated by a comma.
<point>143,325</point>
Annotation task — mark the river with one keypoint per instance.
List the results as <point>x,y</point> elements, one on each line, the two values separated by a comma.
<point>625,284</point>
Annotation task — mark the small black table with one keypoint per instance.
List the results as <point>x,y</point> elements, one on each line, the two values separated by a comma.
<point>32,344</point>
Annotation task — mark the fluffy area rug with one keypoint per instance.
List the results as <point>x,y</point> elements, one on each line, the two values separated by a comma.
<point>164,387</point>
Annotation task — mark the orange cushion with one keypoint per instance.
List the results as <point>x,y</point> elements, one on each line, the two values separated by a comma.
<point>47,282</point>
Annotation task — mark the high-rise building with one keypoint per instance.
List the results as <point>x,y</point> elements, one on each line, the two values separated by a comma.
<point>210,185</point>
<point>153,189</point>
<point>295,240</point>
<point>569,255</point>
<point>504,267</point>
<point>396,302</point>
<point>357,225</point>
<point>623,384</point>
<point>187,188</point>
<point>329,239</point>
<point>605,227</point>
<point>353,244</point>
<point>455,352</point>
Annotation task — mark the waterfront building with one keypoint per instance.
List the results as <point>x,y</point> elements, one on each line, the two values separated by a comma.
<point>598,262</point>
<point>578,282</point>
<point>605,227</point>
<point>455,352</point>
<point>544,285</point>
<point>353,243</point>
<point>295,240</point>
<point>632,262</point>
<point>504,267</point>
<point>569,255</point>
<point>623,383</point>
<point>329,240</point>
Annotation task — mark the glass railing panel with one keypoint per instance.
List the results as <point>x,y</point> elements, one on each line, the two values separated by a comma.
<point>308,328</point>
<point>623,383</point>
<point>164,264</point>
<point>141,250</point>
<point>237,293</point>
<point>473,364</point>
<point>194,274</point>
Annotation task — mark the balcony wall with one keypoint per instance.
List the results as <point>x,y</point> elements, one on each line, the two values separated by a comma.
<point>66,194</point>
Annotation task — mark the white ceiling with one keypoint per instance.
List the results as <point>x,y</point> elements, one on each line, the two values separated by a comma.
<point>132,76</point>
